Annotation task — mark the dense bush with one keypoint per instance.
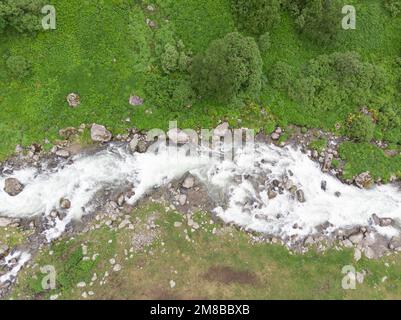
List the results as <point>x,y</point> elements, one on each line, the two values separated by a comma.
<point>167,92</point>
<point>320,20</point>
<point>389,119</point>
<point>21,15</point>
<point>393,6</point>
<point>256,16</point>
<point>175,57</point>
<point>329,82</point>
<point>360,127</point>
<point>18,67</point>
<point>231,67</point>
<point>280,76</point>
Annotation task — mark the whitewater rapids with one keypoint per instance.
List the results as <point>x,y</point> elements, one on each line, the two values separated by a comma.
<point>88,174</point>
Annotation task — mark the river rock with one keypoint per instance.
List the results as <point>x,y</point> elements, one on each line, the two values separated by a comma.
<point>356,238</point>
<point>99,133</point>
<point>300,196</point>
<point>323,185</point>
<point>364,180</point>
<point>73,100</point>
<point>177,136</point>
<point>142,146</point>
<point>62,153</point>
<point>65,203</point>
<point>133,143</point>
<point>275,136</point>
<point>13,187</point>
<point>189,182</point>
<point>182,199</point>
<point>395,243</point>
<point>328,159</point>
<point>271,194</point>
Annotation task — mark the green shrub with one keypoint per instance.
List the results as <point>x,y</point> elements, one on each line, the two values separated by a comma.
<point>319,20</point>
<point>361,127</point>
<point>18,67</point>
<point>280,75</point>
<point>256,16</point>
<point>169,58</point>
<point>231,67</point>
<point>23,16</point>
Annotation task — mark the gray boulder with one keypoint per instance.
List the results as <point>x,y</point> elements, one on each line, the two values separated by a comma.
<point>13,187</point>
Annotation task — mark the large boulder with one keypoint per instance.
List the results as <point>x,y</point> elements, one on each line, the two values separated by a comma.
<point>177,136</point>
<point>99,133</point>
<point>364,180</point>
<point>13,187</point>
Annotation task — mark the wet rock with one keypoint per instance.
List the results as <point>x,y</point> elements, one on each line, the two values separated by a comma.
<point>275,136</point>
<point>189,182</point>
<point>142,146</point>
<point>13,187</point>
<point>271,194</point>
<point>300,196</point>
<point>73,100</point>
<point>99,133</point>
<point>134,143</point>
<point>327,162</point>
<point>356,238</point>
<point>357,254</point>
<point>323,185</point>
<point>177,136</point>
<point>369,253</point>
<point>135,101</point>
<point>62,153</point>
<point>337,194</point>
<point>364,180</point>
<point>121,200</point>
<point>65,203</point>
<point>395,244</point>
<point>309,241</point>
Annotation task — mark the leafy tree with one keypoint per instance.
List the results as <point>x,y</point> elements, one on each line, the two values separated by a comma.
<point>320,20</point>
<point>230,67</point>
<point>256,16</point>
<point>23,16</point>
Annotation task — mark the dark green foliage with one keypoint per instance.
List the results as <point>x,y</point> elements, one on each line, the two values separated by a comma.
<point>23,16</point>
<point>231,67</point>
<point>393,7</point>
<point>389,119</point>
<point>319,20</point>
<point>175,57</point>
<point>256,16</point>
<point>280,75</point>
<point>264,43</point>
<point>167,92</point>
<point>18,67</point>
<point>361,127</point>
<point>330,82</point>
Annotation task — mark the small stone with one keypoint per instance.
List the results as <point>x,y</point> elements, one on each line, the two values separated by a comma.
<point>73,100</point>
<point>4,222</point>
<point>177,136</point>
<point>182,199</point>
<point>301,196</point>
<point>323,185</point>
<point>172,284</point>
<point>142,147</point>
<point>360,277</point>
<point>116,267</point>
<point>13,187</point>
<point>112,261</point>
<point>221,130</point>
<point>81,285</point>
<point>135,101</point>
<point>65,204</point>
<point>275,136</point>
<point>177,224</point>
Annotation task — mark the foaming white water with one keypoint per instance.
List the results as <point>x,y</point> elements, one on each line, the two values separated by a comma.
<point>248,204</point>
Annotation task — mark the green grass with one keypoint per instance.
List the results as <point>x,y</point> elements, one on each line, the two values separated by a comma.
<point>364,157</point>
<point>318,144</point>
<point>276,273</point>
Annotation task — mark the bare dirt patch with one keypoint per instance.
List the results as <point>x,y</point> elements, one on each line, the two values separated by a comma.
<point>227,275</point>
